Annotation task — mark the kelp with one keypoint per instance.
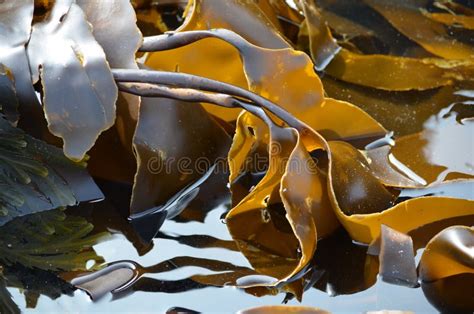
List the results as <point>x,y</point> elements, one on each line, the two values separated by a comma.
<point>280,184</point>
<point>397,73</point>
<point>115,30</point>
<point>49,241</point>
<point>376,70</point>
<point>15,28</point>
<point>406,17</point>
<point>304,100</point>
<point>324,161</point>
<point>460,21</point>
<point>446,269</point>
<point>322,45</point>
<point>55,61</point>
<point>36,282</point>
<point>449,253</point>
<point>215,59</point>
<point>37,177</point>
<point>403,217</point>
<point>402,112</point>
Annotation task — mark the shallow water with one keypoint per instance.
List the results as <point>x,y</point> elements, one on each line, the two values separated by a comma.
<point>227,299</point>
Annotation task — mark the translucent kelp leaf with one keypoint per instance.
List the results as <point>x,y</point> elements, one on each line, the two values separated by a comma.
<point>443,151</point>
<point>449,253</point>
<point>322,45</point>
<point>403,217</point>
<point>279,242</point>
<point>79,90</point>
<point>189,143</point>
<point>397,73</point>
<point>339,120</point>
<point>49,241</point>
<point>8,97</point>
<point>37,177</point>
<point>15,28</point>
<point>277,74</point>
<point>114,27</point>
<point>34,282</point>
<point>368,204</point>
<point>376,70</point>
<point>356,189</point>
<point>406,17</point>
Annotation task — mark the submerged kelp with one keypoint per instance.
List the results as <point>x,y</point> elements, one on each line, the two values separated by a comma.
<point>336,123</point>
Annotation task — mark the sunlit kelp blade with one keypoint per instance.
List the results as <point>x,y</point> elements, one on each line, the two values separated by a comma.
<point>78,73</point>
<point>402,112</point>
<point>322,45</point>
<point>407,17</point>
<point>283,209</point>
<point>447,269</point>
<point>115,30</point>
<point>36,176</point>
<point>403,217</point>
<point>377,70</point>
<point>215,59</point>
<point>302,98</point>
<point>49,241</point>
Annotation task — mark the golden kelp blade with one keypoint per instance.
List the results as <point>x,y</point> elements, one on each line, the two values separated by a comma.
<point>215,59</point>
<point>463,21</point>
<point>397,73</point>
<point>114,27</point>
<point>401,112</point>
<point>76,112</point>
<point>449,253</point>
<point>284,85</point>
<point>406,17</point>
<point>279,246</point>
<point>368,195</point>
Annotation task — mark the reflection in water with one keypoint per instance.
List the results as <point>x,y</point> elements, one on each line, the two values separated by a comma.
<point>449,143</point>
<point>345,273</point>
